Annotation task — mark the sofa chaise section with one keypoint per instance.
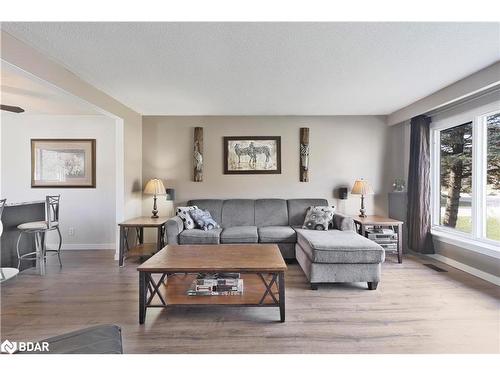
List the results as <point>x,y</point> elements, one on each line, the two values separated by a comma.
<point>338,256</point>
<point>336,246</point>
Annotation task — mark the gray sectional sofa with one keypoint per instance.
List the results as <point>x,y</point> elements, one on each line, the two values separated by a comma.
<point>336,255</point>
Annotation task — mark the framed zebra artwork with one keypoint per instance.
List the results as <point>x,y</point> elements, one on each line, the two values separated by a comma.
<point>252,155</point>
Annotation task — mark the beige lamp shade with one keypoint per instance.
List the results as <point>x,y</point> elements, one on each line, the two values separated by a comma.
<point>362,187</point>
<point>155,187</point>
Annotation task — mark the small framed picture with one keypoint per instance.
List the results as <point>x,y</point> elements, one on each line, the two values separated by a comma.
<point>252,155</point>
<point>63,163</point>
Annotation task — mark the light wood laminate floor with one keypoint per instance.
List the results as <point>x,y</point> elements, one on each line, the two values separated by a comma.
<point>414,310</point>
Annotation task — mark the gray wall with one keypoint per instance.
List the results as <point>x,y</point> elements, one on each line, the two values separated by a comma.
<point>398,148</point>
<point>343,148</point>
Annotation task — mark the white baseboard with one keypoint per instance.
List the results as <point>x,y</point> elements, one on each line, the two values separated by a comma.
<point>464,267</point>
<point>81,246</point>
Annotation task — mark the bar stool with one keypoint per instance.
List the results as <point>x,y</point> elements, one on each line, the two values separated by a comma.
<point>40,229</point>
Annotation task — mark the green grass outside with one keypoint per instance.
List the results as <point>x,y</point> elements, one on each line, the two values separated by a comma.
<point>492,227</point>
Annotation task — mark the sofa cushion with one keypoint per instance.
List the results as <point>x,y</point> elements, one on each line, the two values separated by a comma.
<point>238,212</point>
<point>200,236</point>
<point>214,206</point>
<point>241,234</point>
<point>275,234</point>
<point>297,209</point>
<point>271,212</point>
<point>335,246</point>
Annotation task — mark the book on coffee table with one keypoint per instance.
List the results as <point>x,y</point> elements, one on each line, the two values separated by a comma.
<point>216,287</point>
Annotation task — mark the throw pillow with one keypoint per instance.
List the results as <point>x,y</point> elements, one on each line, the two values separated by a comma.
<point>318,217</point>
<point>184,214</point>
<point>203,219</point>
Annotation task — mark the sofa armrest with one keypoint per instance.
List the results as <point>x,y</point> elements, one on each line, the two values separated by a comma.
<point>343,222</point>
<point>174,226</point>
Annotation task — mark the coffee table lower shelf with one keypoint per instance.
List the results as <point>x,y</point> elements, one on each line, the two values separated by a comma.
<point>170,289</point>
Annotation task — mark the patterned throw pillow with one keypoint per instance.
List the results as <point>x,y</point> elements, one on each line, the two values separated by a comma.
<point>318,217</point>
<point>184,214</point>
<point>203,219</point>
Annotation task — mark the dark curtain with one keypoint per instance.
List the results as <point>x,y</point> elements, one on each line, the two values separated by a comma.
<point>419,195</point>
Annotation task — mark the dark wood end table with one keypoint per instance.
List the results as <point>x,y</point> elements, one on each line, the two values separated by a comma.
<point>261,266</point>
<point>381,221</point>
<point>140,248</point>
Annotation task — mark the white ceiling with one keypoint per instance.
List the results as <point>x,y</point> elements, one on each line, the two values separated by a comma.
<point>36,97</point>
<point>266,68</point>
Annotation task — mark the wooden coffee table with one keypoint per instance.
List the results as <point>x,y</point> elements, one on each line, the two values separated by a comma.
<point>165,277</point>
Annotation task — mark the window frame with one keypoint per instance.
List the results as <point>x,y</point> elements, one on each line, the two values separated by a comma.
<point>477,117</point>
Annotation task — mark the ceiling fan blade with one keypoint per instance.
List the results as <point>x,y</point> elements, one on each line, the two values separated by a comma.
<point>11,108</point>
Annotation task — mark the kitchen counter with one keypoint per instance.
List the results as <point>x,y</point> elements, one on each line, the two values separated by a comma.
<point>7,204</point>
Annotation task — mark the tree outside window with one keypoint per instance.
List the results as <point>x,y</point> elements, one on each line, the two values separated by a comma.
<point>456,177</point>
<point>493,177</point>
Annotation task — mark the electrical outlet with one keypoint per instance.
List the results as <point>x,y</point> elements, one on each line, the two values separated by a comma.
<point>71,231</point>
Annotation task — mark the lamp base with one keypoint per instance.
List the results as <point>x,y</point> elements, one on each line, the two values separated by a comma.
<point>362,211</point>
<point>155,210</point>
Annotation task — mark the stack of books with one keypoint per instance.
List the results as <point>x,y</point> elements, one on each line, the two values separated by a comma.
<point>384,237</point>
<point>219,284</point>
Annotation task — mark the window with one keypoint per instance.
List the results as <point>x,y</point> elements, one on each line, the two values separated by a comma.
<point>456,178</point>
<point>465,174</point>
<point>493,177</point>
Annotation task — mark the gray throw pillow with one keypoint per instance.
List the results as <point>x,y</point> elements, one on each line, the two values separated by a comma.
<point>185,214</point>
<point>318,217</point>
<point>203,219</point>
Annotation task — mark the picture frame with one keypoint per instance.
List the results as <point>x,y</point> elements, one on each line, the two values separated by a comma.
<point>252,155</point>
<point>63,163</point>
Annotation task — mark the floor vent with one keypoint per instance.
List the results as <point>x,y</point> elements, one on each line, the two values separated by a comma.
<point>435,268</point>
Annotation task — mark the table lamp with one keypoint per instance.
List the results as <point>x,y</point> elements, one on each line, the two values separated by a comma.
<point>362,187</point>
<point>155,187</point>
